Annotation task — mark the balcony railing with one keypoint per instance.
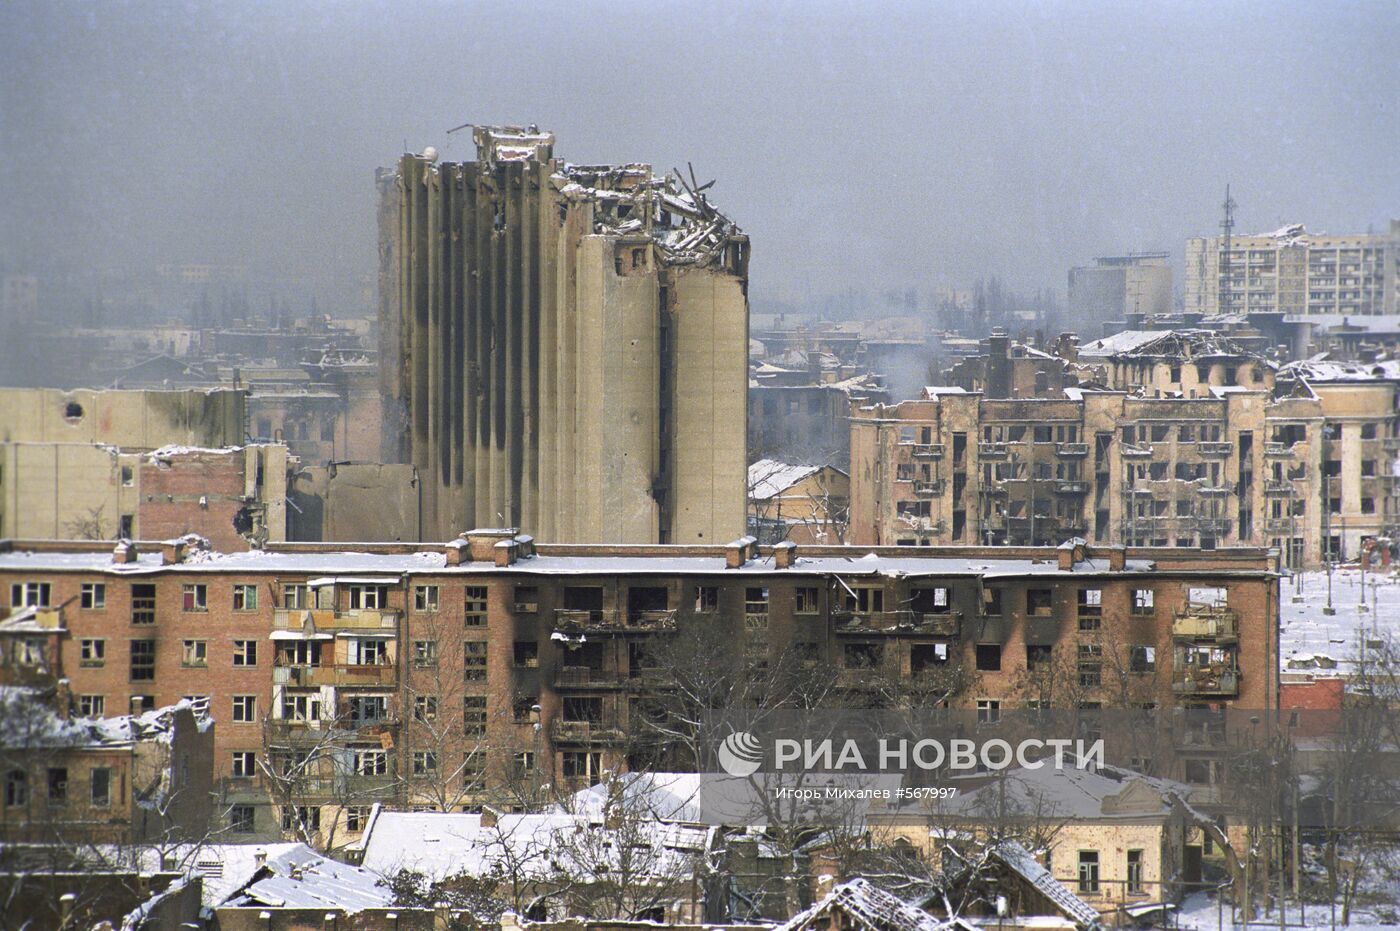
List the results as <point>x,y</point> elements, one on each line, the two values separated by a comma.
<point>928,489</point>
<point>1135,452</point>
<point>1071,487</point>
<point>941,624</point>
<point>1215,448</point>
<point>1391,444</point>
<point>651,620</point>
<point>356,619</point>
<point>928,451</point>
<point>1206,624</point>
<point>1278,450</point>
<point>1217,679</point>
<point>586,677</point>
<point>583,731</point>
<point>344,674</point>
<point>1282,524</point>
<point>1213,525</point>
<point>1273,488</point>
<point>1072,449</point>
<point>992,450</point>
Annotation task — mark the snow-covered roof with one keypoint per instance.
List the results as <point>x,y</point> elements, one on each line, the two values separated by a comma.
<point>664,796</point>
<point>1069,793</point>
<point>441,844</point>
<point>769,478</point>
<point>27,720</point>
<point>302,878</point>
<point>1020,860</point>
<point>868,908</point>
<point>1164,344</point>
<point>644,562</point>
<point>1321,370</point>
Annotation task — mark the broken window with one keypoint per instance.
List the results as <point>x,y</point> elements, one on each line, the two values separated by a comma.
<point>989,657</point>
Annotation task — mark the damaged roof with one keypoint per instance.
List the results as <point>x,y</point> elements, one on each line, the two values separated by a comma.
<point>677,216</point>
<point>867,907</point>
<point>1020,860</point>
<point>769,478</point>
<point>302,878</point>
<point>1322,370</point>
<point>27,720</point>
<point>1183,345</point>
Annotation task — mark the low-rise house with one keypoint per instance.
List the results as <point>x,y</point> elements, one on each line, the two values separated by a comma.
<point>801,503</point>
<point>554,864</point>
<point>299,888</point>
<point>134,779</point>
<point>1114,838</point>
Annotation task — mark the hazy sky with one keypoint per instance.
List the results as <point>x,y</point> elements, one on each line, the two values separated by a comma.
<point>860,145</point>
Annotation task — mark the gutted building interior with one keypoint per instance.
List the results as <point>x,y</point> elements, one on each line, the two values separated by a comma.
<point>563,346</point>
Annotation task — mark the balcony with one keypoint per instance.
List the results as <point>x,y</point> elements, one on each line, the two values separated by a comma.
<point>362,619</point>
<point>1282,524</point>
<point>585,732</point>
<point>1075,450</point>
<point>1278,451</point>
<point>1217,680</point>
<point>1135,452</point>
<point>992,450</point>
<point>1201,623</point>
<point>1215,448</point>
<point>1391,444</point>
<point>651,620</point>
<point>1067,487</point>
<point>1213,525</point>
<point>586,677</point>
<point>928,489</point>
<point>335,674</point>
<point>1276,489</point>
<point>928,451</point>
<point>898,623</point>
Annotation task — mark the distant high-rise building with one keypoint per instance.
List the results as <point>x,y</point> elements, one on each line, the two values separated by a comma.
<point>1118,285</point>
<point>1292,271</point>
<point>564,347</point>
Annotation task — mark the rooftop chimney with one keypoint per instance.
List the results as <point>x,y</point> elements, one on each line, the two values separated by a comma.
<point>1117,558</point>
<point>739,552</point>
<point>784,554</point>
<point>124,552</point>
<point>484,540</point>
<point>458,551</point>
<point>172,552</point>
<point>504,553</point>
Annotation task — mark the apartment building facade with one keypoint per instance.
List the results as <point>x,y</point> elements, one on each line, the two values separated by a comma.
<point>1292,271</point>
<point>1232,466</point>
<point>439,676</point>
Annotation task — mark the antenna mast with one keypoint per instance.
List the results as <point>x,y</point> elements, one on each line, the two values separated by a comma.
<point>1227,226</point>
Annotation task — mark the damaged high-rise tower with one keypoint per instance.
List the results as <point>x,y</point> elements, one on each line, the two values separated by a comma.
<point>564,346</point>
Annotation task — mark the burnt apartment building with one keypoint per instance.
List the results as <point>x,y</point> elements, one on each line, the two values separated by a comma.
<point>1167,439</point>
<point>563,347</point>
<point>490,667</point>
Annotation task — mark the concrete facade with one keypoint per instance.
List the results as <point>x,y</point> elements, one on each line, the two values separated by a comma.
<point>564,347</point>
<point>130,419</point>
<point>234,497</point>
<point>1118,285</point>
<point>1233,466</point>
<point>1291,271</point>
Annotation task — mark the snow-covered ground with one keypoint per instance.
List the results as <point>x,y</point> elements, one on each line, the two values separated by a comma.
<point>1313,641</point>
<point>1200,912</point>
